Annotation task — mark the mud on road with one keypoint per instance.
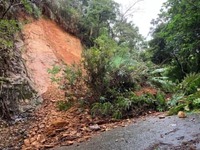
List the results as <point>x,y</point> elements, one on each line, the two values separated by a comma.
<point>153,133</point>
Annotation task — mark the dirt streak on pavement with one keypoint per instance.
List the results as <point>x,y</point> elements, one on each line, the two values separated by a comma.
<point>150,134</point>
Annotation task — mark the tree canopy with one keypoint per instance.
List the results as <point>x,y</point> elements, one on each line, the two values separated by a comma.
<point>88,19</point>
<point>176,38</point>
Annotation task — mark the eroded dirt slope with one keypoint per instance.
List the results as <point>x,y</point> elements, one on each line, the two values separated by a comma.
<point>47,45</point>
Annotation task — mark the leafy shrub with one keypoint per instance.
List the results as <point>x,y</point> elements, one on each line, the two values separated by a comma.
<point>64,105</point>
<point>196,103</point>
<point>190,83</point>
<point>174,110</point>
<point>193,100</point>
<point>73,74</point>
<point>158,78</point>
<point>104,109</point>
<point>7,30</point>
<point>110,68</point>
<point>37,12</point>
<point>128,104</point>
<point>161,104</point>
<point>117,114</point>
<point>70,79</point>
<point>188,97</point>
<point>53,72</point>
<point>175,99</point>
<point>186,103</point>
<point>113,74</point>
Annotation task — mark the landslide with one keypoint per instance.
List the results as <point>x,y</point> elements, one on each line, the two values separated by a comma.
<point>44,45</point>
<point>48,45</point>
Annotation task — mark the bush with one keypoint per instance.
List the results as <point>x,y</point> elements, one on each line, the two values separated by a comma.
<point>110,68</point>
<point>113,74</point>
<point>73,75</point>
<point>64,105</point>
<point>70,78</point>
<point>160,80</point>
<point>190,84</point>
<point>128,104</point>
<point>53,72</point>
<point>187,96</point>
<point>104,109</point>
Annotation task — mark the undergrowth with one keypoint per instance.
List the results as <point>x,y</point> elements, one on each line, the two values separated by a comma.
<point>129,105</point>
<point>64,105</point>
<point>187,97</point>
<point>107,81</point>
<point>111,77</point>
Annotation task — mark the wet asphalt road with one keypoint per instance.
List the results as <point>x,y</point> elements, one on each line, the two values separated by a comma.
<point>153,133</point>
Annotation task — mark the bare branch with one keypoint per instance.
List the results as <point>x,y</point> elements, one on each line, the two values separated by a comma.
<point>130,8</point>
<point>9,7</point>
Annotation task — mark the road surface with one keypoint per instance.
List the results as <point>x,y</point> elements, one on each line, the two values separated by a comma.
<point>151,134</point>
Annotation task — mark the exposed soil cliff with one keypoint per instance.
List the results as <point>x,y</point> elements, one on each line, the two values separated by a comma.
<point>48,45</point>
<point>44,45</point>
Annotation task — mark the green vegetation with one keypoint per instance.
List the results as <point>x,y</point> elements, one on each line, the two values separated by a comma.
<point>54,71</point>
<point>175,46</point>
<point>187,95</point>
<point>87,19</point>
<point>115,68</point>
<point>117,62</point>
<point>64,105</point>
<point>176,38</point>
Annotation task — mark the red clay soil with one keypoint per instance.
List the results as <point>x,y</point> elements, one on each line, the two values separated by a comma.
<point>146,90</point>
<point>48,45</point>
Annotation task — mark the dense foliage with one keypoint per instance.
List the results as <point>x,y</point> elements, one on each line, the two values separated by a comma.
<point>187,95</point>
<point>176,47</point>
<point>176,38</point>
<point>87,19</point>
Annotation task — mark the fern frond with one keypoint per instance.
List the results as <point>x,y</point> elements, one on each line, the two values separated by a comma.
<point>163,83</point>
<point>160,70</point>
<point>190,83</point>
